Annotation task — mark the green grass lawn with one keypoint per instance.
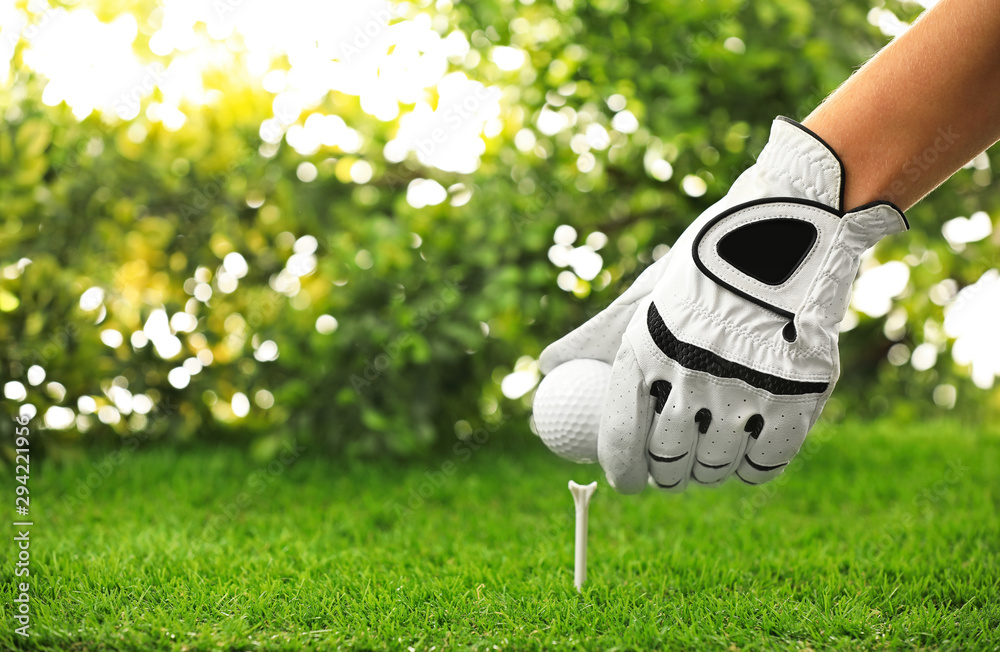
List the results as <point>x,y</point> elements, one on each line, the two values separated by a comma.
<point>878,536</point>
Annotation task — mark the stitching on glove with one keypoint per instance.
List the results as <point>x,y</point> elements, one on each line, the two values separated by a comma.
<point>818,408</point>
<point>806,400</point>
<point>680,372</point>
<point>895,215</point>
<point>795,153</point>
<point>804,188</point>
<point>710,466</point>
<point>814,297</point>
<point>777,347</point>
<point>815,301</point>
<point>763,467</point>
<point>667,460</point>
<point>694,476</point>
<point>777,201</point>
<point>802,263</point>
<point>698,359</point>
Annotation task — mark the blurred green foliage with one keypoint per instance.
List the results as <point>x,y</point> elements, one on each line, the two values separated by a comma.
<point>433,305</point>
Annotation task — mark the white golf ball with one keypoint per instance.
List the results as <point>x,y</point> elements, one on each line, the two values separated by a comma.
<point>567,408</point>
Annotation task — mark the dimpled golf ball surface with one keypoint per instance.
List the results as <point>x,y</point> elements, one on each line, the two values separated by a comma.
<point>567,408</point>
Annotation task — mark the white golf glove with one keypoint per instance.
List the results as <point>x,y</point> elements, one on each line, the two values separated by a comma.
<point>724,351</point>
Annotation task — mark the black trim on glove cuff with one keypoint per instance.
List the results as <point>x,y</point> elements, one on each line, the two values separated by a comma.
<point>843,173</point>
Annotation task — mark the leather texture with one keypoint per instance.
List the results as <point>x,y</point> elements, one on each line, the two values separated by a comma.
<point>715,372</point>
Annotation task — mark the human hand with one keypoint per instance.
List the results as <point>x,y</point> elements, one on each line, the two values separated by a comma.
<point>725,350</point>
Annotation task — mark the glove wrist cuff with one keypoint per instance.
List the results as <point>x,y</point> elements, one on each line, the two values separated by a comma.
<point>796,162</point>
<point>800,164</point>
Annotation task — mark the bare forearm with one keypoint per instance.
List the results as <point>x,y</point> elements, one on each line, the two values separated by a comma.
<point>919,110</point>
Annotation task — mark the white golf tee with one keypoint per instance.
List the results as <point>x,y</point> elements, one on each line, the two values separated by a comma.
<point>581,496</point>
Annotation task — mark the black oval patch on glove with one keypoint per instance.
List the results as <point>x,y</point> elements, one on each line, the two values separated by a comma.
<point>769,250</point>
<point>755,425</point>
<point>703,419</point>
<point>789,332</point>
<point>660,390</point>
